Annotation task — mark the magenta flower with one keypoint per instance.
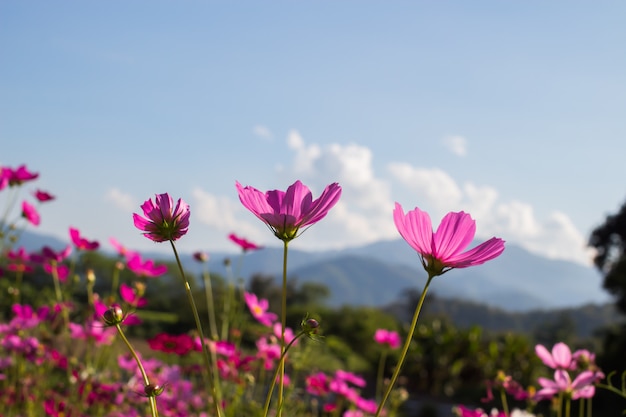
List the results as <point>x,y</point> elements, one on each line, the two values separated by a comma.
<point>16,176</point>
<point>43,196</point>
<point>443,250</point>
<point>389,337</point>
<point>30,213</point>
<point>581,387</point>
<point>560,358</point>
<point>80,242</point>
<point>145,269</point>
<point>162,221</point>
<point>129,295</point>
<point>258,308</point>
<point>285,212</point>
<point>244,244</point>
<point>52,255</point>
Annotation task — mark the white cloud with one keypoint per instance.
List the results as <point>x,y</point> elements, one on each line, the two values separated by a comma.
<point>219,214</point>
<point>433,185</point>
<point>456,144</point>
<point>262,132</point>
<point>121,200</point>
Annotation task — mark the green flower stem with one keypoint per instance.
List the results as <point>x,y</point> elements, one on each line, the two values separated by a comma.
<point>381,371</point>
<point>407,343</point>
<point>278,369</point>
<point>217,402</point>
<point>146,381</point>
<point>208,289</point>
<point>505,405</point>
<point>568,405</point>
<point>115,282</point>
<point>283,322</point>
<point>18,286</point>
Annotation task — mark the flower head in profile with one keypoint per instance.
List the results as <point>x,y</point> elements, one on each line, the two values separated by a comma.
<point>387,337</point>
<point>17,176</point>
<point>581,387</point>
<point>258,308</point>
<point>286,212</point>
<point>80,242</point>
<point>30,213</point>
<point>444,249</point>
<point>163,221</point>
<point>43,196</point>
<point>244,244</point>
<point>145,269</point>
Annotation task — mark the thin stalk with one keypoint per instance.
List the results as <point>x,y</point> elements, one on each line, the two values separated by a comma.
<point>208,290</point>
<point>268,399</point>
<point>405,349</point>
<point>207,357</point>
<point>144,375</point>
<point>380,375</point>
<point>283,322</point>
<point>505,405</point>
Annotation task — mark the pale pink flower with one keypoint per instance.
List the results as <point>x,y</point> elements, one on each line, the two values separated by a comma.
<point>162,220</point>
<point>444,249</point>
<point>258,308</point>
<point>581,387</point>
<point>389,337</point>
<point>560,358</point>
<point>289,336</point>
<point>285,212</point>
<point>121,249</point>
<point>80,242</point>
<point>30,213</point>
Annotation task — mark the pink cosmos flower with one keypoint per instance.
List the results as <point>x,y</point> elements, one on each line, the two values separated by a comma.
<point>244,244</point>
<point>317,384</point>
<point>162,220</point>
<point>129,295</point>
<point>80,242</point>
<point>289,336</point>
<point>43,196</point>
<point>122,250</point>
<point>21,260</point>
<point>145,269</point>
<point>30,213</point>
<point>443,250</point>
<point>258,308</point>
<point>383,336</point>
<point>285,212</point>
<point>560,358</point>
<point>52,255</point>
<point>581,387</point>
<point>17,176</point>
<point>62,271</point>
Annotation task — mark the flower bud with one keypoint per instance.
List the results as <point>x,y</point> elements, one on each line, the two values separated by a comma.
<point>113,316</point>
<point>153,390</point>
<point>91,276</point>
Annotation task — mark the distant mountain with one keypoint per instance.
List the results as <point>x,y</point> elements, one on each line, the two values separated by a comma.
<point>379,273</point>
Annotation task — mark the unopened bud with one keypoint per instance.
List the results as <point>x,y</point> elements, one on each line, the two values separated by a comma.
<point>113,316</point>
<point>153,390</point>
<point>91,276</point>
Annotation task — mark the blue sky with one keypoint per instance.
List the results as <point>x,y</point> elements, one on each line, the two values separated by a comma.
<point>512,111</point>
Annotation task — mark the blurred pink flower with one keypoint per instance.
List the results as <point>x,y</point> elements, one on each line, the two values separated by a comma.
<point>50,254</point>
<point>289,336</point>
<point>121,249</point>
<point>162,220</point>
<point>560,358</point>
<point>145,269</point>
<point>16,176</point>
<point>30,213</point>
<point>317,384</point>
<point>43,196</point>
<point>62,271</point>
<point>383,336</point>
<point>258,308</point>
<point>129,295</point>
<point>80,242</point>
<point>285,212</point>
<point>244,244</point>
<point>581,387</point>
<point>443,250</point>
